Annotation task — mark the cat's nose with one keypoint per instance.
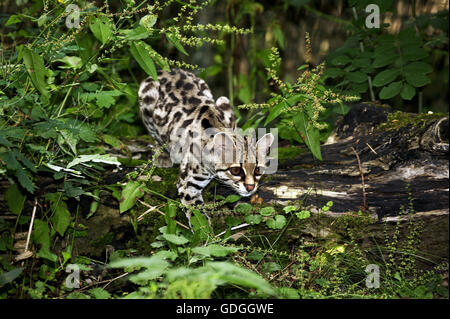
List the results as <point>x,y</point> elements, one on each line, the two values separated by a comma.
<point>249,187</point>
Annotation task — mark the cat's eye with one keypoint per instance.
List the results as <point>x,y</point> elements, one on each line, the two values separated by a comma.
<point>257,171</point>
<point>235,170</point>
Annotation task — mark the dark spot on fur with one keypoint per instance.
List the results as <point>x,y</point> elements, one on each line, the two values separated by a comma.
<point>162,80</point>
<point>206,124</point>
<point>186,123</point>
<point>198,202</point>
<point>188,86</point>
<point>148,87</point>
<point>194,185</point>
<point>187,197</point>
<point>194,101</point>
<point>147,113</point>
<point>203,110</point>
<point>148,99</point>
<point>179,84</point>
<point>188,111</point>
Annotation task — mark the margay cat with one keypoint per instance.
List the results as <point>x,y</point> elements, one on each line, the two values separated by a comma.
<point>177,111</point>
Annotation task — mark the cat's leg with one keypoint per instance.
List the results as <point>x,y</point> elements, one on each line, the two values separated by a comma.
<point>193,179</point>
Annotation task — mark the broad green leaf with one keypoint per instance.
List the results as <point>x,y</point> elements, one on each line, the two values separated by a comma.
<point>341,60</point>
<point>243,208</point>
<point>357,77</point>
<point>418,80</point>
<point>132,191</point>
<point>99,293</point>
<point>13,19</point>
<point>275,112</point>
<point>311,135</point>
<point>333,72</point>
<point>271,267</point>
<point>232,198</point>
<point>407,92</point>
<point>174,239</point>
<point>384,59</point>
<point>71,62</point>
<point>277,222</point>
<point>214,250</point>
<point>140,52</point>
<point>267,211</point>
<point>36,70</point>
<point>41,233</point>
<point>102,28</point>
<point>25,180</point>
<point>414,53</point>
<point>391,90</point>
<point>385,77</point>
<point>418,67</point>
<point>303,214</point>
<point>234,274</point>
<point>61,218</point>
<point>253,219</point>
<point>174,40</point>
<point>14,199</point>
<point>289,209</point>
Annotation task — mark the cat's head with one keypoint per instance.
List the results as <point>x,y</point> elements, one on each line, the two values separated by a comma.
<point>240,161</point>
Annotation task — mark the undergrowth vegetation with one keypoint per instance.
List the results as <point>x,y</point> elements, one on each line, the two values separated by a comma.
<point>69,76</point>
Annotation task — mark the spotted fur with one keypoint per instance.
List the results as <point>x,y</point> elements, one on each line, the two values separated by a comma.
<point>199,133</point>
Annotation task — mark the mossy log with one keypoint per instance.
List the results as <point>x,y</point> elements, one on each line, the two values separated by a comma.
<point>375,161</point>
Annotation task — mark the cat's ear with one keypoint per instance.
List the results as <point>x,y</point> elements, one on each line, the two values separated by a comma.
<point>223,103</point>
<point>224,148</point>
<point>263,144</point>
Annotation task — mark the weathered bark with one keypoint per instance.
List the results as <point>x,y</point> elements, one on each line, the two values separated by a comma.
<point>400,165</point>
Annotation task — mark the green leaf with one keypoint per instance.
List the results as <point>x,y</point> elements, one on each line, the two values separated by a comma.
<point>106,98</point>
<point>141,54</point>
<point>385,77</point>
<point>99,293</point>
<point>71,62</point>
<point>276,223</point>
<point>25,180</point>
<point>243,208</point>
<point>174,239</point>
<point>267,211</point>
<point>232,198</point>
<point>132,191</point>
<point>45,253</point>
<point>61,218</point>
<point>253,219</point>
<point>289,209</point>
<point>391,90</point>
<point>311,135</point>
<point>357,77</point>
<point>407,92</point>
<point>234,274</point>
<point>102,28</point>
<point>13,19</point>
<point>271,267</point>
<point>417,80</point>
<point>14,199</point>
<point>384,59</point>
<point>303,214</point>
<point>333,72</point>
<point>174,40</point>
<point>414,53</point>
<point>418,67</point>
<point>35,66</point>
<point>214,250</point>
<point>41,233</point>
<point>341,60</point>
<point>275,112</point>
